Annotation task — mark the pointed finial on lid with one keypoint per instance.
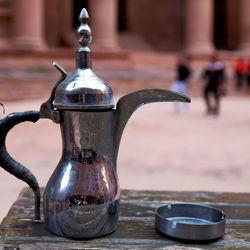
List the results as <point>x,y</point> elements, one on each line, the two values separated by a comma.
<point>83,31</point>
<point>84,16</point>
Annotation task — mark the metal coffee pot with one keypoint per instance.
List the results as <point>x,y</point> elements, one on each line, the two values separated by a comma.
<point>81,199</point>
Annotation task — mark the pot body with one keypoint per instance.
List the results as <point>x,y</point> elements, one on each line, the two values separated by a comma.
<point>81,199</point>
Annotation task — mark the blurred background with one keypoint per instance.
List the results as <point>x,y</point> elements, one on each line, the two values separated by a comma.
<point>136,44</point>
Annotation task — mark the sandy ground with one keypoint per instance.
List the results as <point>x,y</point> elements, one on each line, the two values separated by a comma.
<point>160,150</point>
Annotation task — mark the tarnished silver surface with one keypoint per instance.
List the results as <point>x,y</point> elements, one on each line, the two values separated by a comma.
<point>84,35</point>
<point>190,221</point>
<point>83,89</point>
<point>47,109</point>
<point>91,131</point>
<point>87,169</point>
<point>81,199</point>
<point>132,101</point>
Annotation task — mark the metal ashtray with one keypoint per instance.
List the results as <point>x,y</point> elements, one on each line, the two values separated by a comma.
<point>189,221</point>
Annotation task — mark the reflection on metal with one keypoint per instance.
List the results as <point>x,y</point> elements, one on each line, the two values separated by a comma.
<point>47,110</point>
<point>81,199</point>
<point>83,89</point>
<point>65,179</point>
<point>190,221</point>
<point>84,35</point>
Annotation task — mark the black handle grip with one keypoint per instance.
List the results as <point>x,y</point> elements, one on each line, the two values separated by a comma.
<point>12,166</point>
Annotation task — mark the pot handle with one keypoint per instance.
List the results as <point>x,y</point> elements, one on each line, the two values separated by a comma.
<point>11,165</point>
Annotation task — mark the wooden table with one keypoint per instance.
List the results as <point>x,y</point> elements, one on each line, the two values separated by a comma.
<point>136,224</point>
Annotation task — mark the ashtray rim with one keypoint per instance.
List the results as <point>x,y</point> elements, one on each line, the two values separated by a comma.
<point>190,231</point>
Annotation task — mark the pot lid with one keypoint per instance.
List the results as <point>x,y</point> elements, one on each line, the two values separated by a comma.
<point>83,89</point>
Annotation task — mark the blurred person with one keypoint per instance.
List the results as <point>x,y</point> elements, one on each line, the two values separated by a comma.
<point>248,74</point>
<point>183,72</point>
<point>240,71</point>
<point>214,76</point>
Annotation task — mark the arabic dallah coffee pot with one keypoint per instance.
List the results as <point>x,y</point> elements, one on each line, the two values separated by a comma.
<point>81,199</point>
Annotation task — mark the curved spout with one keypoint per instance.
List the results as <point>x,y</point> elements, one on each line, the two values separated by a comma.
<point>130,102</point>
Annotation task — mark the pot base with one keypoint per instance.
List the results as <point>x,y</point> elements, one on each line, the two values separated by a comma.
<point>84,222</point>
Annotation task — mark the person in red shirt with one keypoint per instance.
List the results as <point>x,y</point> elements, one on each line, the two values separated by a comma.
<point>248,74</point>
<point>240,70</point>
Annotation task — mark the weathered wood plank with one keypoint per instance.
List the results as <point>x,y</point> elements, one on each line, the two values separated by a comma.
<point>121,245</point>
<point>134,233</point>
<point>136,224</point>
<point>203,197</point>
<point>165,196</point>
<point>137,208</point>
<point>129,227</point>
